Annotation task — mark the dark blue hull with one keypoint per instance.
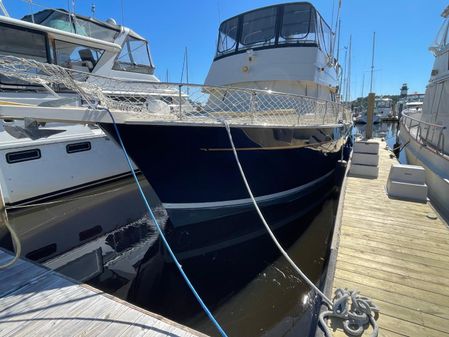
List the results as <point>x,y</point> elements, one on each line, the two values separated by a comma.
<point>194,173</point>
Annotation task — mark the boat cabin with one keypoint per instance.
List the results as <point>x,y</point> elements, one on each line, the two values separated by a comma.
<point>286,47</point>
<point>76,42</point>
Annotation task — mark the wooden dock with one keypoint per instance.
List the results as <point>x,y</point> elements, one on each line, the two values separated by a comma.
<point>35,301</point>
<point>395,252</point>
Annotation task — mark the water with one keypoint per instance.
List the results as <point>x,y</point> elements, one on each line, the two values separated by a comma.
<point>386,130</point>
<point>251,290</point>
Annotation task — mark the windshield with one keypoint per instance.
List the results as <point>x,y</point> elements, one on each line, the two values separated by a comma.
<point>134,57</point>
<point>383,104</point>
<point>61,20</point>
<point>269,27</point>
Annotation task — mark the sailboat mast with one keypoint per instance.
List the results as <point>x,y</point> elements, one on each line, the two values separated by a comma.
<point>372,63</point>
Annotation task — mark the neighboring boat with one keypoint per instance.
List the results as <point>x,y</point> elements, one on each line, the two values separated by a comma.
<point>288,143</point>
<point>43,162</point>
<point>426,131</point>
<point>383,108</point>
<point>363,118</point>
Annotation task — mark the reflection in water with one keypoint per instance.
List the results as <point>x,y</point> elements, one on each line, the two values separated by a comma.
<point>102,236</point>
<point>385,130</point>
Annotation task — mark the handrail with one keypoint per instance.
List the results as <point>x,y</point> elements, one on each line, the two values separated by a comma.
<point>190,103</point>
<point>426,140</point>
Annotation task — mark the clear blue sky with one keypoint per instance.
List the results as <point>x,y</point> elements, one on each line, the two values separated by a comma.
<point>404,30</point>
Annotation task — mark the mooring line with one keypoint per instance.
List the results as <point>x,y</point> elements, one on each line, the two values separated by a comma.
<point>353,315</point>
<point>159,229</point>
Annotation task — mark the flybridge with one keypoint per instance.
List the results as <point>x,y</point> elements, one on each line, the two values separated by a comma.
<point>294,24</point>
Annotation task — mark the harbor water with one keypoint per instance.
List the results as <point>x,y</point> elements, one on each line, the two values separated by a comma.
<point>102,236</point>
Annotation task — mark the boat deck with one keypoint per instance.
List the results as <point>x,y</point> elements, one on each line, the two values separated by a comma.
<point>395,252</point>
<point>35,301</point>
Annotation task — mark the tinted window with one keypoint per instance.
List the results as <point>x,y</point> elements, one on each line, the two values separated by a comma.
<point>296,23</point>
<point>23,43</point>
<point>227,38</point>
<point>258,28</point>
<point>19,156</point>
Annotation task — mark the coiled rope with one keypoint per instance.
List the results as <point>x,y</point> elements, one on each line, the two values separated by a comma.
<point>159,229</point>
<point>361,310</point>
<point>354,310</point>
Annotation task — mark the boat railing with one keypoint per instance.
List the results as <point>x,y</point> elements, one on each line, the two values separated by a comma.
<point>180,102</point>
<point>429,134</point>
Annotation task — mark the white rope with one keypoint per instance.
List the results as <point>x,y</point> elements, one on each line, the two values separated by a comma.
<point>273,237</point>
<point>14,237</point>
<point>360,312</point>
<point>355,315</point>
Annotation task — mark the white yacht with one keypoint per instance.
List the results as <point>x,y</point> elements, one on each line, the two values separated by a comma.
<point>38,161</point>
<point>425,131</point>
<point>383,107</point>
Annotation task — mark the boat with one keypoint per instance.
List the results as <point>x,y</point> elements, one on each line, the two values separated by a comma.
<point>42,162</point>
<point>383,108</point>
<point>424,132</point>
<point>272,88</point>
<point>363,118</point>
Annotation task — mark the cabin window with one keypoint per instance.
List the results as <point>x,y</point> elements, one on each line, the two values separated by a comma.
<point>134,57</point>
<point>227,39</point>
<point>62,20</point>
<point>20,156</point>
<point>23,43</point>
<point>297,23</point>
<point>279,25</point>
<point>258,28</point>
<point>76,57</point>
<point>325,36</point>
<point>78,147</point>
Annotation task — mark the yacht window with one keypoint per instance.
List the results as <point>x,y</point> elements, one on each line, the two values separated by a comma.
<point>134,57</point>
<point>23,43</point>
<point>258,28</point>
<point>20,156</point>
<point>62,20</point>
<point>325,36</point>
<point>297,23</point>
<point>78,147</point>
<point>77,57</point>
<point>227,38</point>
<point>441,40</point>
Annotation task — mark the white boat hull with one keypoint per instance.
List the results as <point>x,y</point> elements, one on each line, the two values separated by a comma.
<point>57,171</point>
<point>436,166</point>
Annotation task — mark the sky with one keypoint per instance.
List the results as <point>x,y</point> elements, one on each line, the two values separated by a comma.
<point>404,31</point>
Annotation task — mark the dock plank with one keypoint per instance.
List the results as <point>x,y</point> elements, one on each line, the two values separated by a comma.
<point>38,302</point>
<point>393,252</point>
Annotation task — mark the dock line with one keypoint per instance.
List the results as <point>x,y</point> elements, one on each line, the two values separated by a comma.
<point>159,229</point>
<point>354,316</point>
<point>14,236</point>
<point>270,232</point>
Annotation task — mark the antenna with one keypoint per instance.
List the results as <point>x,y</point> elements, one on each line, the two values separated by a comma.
<point>166,75</point>
<point>372,63</point>
<point>3,9</point>
<point>92,9</point>
<point>123,12</point>
<point>348,83</point>
<point>185,65</point>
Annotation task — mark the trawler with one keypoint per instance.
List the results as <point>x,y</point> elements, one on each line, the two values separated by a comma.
<point>272,89</point>
<point>424,131</point>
